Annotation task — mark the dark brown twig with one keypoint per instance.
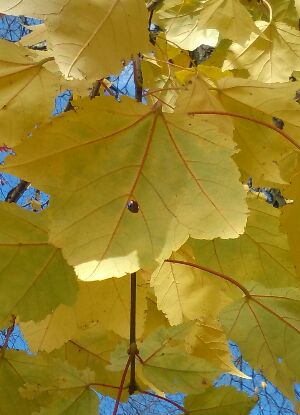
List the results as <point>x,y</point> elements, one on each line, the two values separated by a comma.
<point>121,386</point>
<point>138,78</point>
<point>16,192</point>
<point>9,332</point>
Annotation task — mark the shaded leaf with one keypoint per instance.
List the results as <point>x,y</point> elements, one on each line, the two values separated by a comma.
<point>290,219</point>
<point>92,348</point>
<point>34,277</point>
<point>106,303</point>
<point>219,401</point>
<point>265,325</point>
<point>261,254</point>
<point>167,365</point>
<point>10,381</point>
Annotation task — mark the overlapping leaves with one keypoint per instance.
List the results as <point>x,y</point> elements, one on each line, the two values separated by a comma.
<point>177,172</point>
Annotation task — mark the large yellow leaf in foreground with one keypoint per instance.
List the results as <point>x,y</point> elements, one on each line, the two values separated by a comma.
<point>92,161</point>
<point>34,276</point>
<point>109,31</point>
<point>27,91</point>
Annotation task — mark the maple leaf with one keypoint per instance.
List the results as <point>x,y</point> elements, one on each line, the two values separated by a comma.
<point>27,90</point>
<point>223,401</point>
<point>261,254</point>
<point>184,21</point>
<point>189,198</point>
<point>271,58</point>
<point>76,57</point>
<point>43,279</point>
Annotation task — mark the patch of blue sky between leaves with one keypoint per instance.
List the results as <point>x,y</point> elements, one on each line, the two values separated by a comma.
<point>13,28</point>
<point>16,340</point>
<point>271,400</point>
<point>141,404</point>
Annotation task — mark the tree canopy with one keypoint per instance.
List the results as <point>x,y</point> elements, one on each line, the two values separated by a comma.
<point>173,220</point>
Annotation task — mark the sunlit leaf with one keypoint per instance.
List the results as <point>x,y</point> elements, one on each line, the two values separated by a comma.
<point>184,21</point>
<point>271,58</point>
<point>198,195</point>
<point>80,50</point>
<point>207,340</point>
<point>265,155</point>
<point>27,91</point>
<point>185,293</point>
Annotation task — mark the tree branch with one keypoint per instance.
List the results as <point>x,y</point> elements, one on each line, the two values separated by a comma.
<point>181,408</point>
<point>16,192</point>
<point>121,386</point>
<point>133,351</point>
<point>138,78</point>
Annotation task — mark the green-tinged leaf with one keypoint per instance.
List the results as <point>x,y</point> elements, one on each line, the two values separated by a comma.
<point>177,169</point>
<point>34,277</point>
<point>264,153</point>
<point>185,293</point>
<point>290,219</point>
<point>85,402</point>
<point>27,91</point>
<point>106,303</point>
<point>55,385</point>
<point>79,50</point>
<point>184,21</point>
<point>219,401</point>
<point>271,58</point>
<point>92,348</point>
<point>266,326</point>
<point>261,254</point>
<point>168,366</point>
<point>10,381</point>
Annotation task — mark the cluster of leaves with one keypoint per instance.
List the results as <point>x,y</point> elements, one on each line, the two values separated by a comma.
<point>154,250</point>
